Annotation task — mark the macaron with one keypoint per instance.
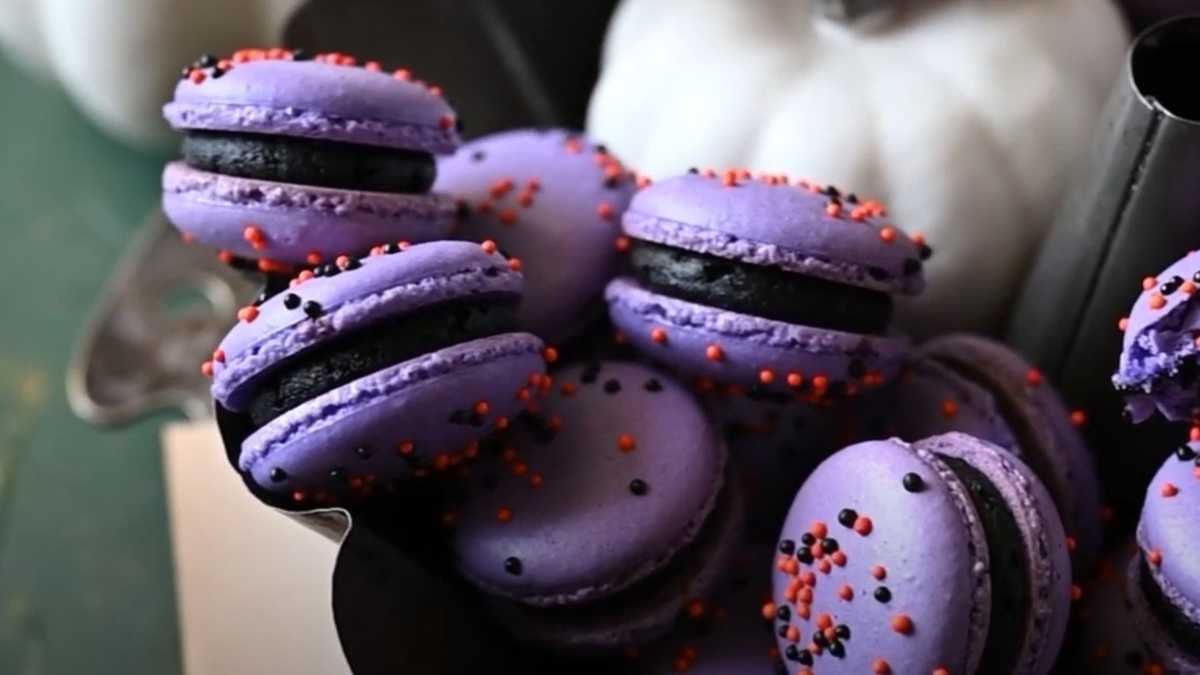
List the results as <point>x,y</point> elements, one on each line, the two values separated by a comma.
<point>981,387</point>
<point>1164,578</point>
<point>944,556</point>
<point>759,281</point>
<point>594,526</point>
<point>393,366</point>
<point>1103,639</point>
<point>553,200</point>
<point>1158,364</point>
<point>726,635</point>
<point>294,160</point>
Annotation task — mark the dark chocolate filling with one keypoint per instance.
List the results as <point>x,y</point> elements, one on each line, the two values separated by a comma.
<point>1184,631</point>
<point>330,164</point>
<point>348,357</point>
<point>1023,430</point>
<point>767,292</point>
<point>1008,569</point>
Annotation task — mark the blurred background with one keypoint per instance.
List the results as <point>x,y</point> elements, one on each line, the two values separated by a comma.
<point>85,563</point>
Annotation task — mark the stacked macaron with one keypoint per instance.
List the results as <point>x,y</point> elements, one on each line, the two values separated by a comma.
<point>291,160</point>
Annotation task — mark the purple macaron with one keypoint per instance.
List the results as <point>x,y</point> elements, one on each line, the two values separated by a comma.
<point>594,525</point>
<point>1103,638</point>
<point>553,200</point>
<point>295,160</point>
<point>934,557</point>
<point>393,366</point>
<point>977,386</point>
<point>729,634</point>
<point>757,281</point>
<point>1158,365</point>
<point>1164,578</point>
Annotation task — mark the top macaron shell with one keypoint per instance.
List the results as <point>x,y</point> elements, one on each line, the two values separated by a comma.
<point>1160,334</point>
<point>929,398</point>
<point>384,285</point>
<point>916,546</point>
<point>553,200</point>
<point>1169,531</point>
<point>573,517</point>
<point>319,100</point>
<point>774,223</point>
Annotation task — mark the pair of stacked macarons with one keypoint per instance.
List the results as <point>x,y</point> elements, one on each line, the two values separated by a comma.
<point>599,493</point>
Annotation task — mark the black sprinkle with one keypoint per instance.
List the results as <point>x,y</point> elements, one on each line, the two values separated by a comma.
<point>882,594</point>
<point>612,182</point>
<point>513,566</point>
<point>602,148</point>
<point>363,452</point>
<point>1171,285</point>
<point>806,658</point>
<point>1185,453</point>
<point>837,650</point>
<point>694,170</point>
<point>330,270</point>
<point>829,545</point>
<point>459,417</point>
<point>912,266</point>
<point>590,373</point>
<point>857,369</point>
<point>805,556</point>
<point>842,632</point>
<point>300,55</point>
<point>338,474</point>
<point>312,309</point>
<point>612,387</point>
<point>819,640</point>
<point>1196,277</point>
<point>390,248</point>
<point>851,198</point>
<point>877,273</point>
<point>186,72</point>
<point>206,61</point>
<point>847,517</point>
<point>459,125</point>
<point>478,156</point>
<point>913,482</point>
<point>353,264</point>
<point>477,420</point>
<point>787,547</point>
<point>832,191</point>
<point>278,475</point>
<point>808,539</point>
<point>783,613</point>
<point>217,73</point>
<point>925,252</point>
<point>653,385</point>
<point>783,631</point>
<point>262,297</point>
<point>791,653</point>
<point>638,487</point>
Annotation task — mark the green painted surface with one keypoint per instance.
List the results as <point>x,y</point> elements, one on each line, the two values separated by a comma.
<point>85,566</point>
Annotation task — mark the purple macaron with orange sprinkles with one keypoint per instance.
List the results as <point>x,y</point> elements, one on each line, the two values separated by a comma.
<point>758,281</point>
<point>292,160</point>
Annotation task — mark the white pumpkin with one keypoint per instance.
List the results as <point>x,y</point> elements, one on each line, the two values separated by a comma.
<point>966,117</point>
<point>120,59</point>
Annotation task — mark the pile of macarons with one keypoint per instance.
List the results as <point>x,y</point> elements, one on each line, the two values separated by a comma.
<point>664,426</point>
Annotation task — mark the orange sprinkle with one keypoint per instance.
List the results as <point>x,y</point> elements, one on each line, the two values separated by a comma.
<point>880,667</point>
<point>446,121</point>
<point>838,558</point>
<point>206,369</point>
<point>1033,378</point>
<point>1076,593</point>
<point>902,624</point>
<point>940,671</point>
<point>1123,323</point>
<point>794,380</point>
<point>501,422</point>
<point>507,217</point>
<point>949,408</point>
<point>555,422</point>
<point>471,450</point>
<point>845,592</point>
<point>1078,418</point>
<point>519,468</point>
<point>604,210</point>
<point>820,383</point>
<point>196,76</point>
<point>803,612</point>
<point>1071,544</point>
<point>480,408</point>
<point>550,354</point>
<point>695,609</point>
<point>1187,288</point>
<point>1148,283</point>
<point>626,443</point>
<point>834,209</point>
<point>1169,490</point>
<point>766,376</point>
<point>824,621</point>
<point>219,356</point>
<point>504,515</point>
<point>805,595</point>
<point>818,529</point>
<point>514,264</point>
<point>793,634</point>
<point>768,611</point>
<point>1157,301</point>
<point>879,572</point>
<point>1154,557</point>
<point>713,353</point>
<point>823,566</point>
<point>248,313</point>
<point>658,336</point>
<point>298,496</point>
<point>887,234</point>
<point>863,525</point>
<point>622,244</point>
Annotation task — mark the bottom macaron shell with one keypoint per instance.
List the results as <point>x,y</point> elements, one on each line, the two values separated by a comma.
<point>1169,653</point>
<point>882,540</point>
<point>1048,564</point>
<point>412,417</point>
<point>622,622</point>
<point>294,221</point>
<point>741,349</point>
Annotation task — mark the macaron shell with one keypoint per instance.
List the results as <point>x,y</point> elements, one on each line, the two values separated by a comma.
<point>401,415</point>
<point>747,345</point>
<point>779,225</point>
<point>385,285</point>
<point>917,545</point>
<point>1160,335</point>
<point>311,99</point>
<point>1163,648</point>
<point>728,634</point>
<point>1169,527</point>
<point>1042,533</point>
<point>553,200</point>
<point>296,220</point>
<point>1046,438</point>
<point>1106,642</point>
<point>582,533</point>
<point>929,399</point>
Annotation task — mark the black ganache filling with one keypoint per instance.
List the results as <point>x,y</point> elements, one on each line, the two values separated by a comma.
<point>767,292</point>
<point>1008,569</point>
<point>329,164</point>
<point>348,357</point>
<point>1184,631</point>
